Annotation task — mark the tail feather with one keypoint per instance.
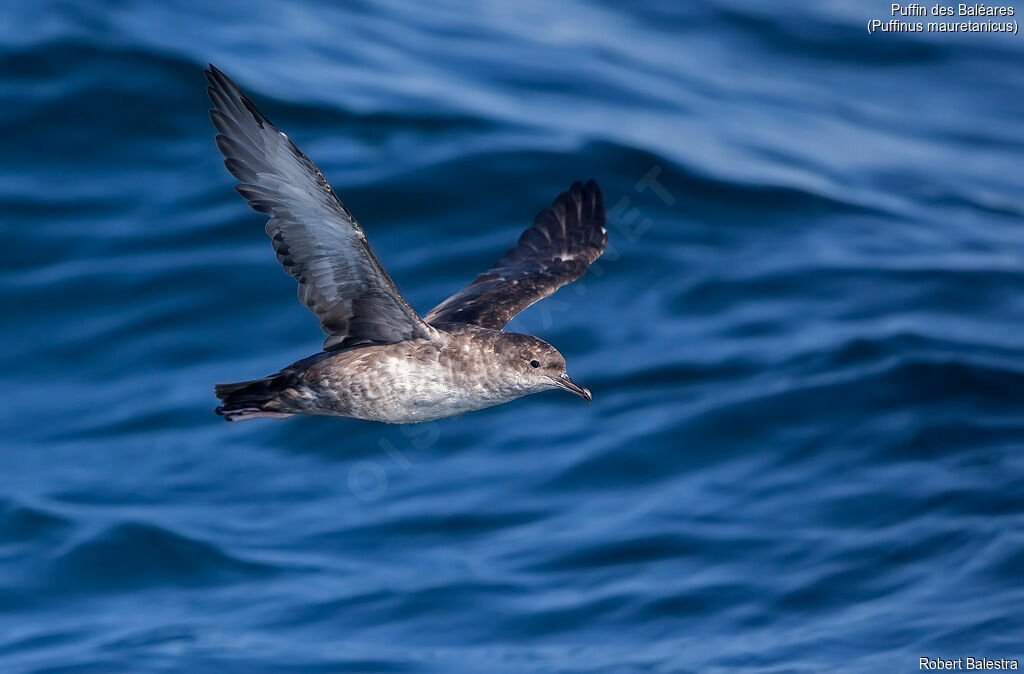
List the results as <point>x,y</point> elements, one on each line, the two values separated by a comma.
<point>251,399</point>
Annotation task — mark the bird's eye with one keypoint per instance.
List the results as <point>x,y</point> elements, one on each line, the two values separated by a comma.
<point>534,363</point>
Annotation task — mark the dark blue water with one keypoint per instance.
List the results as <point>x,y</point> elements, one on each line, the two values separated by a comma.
<point>806,343</point>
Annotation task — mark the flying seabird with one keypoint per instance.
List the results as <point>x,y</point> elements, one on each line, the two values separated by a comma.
<point>381,361</point>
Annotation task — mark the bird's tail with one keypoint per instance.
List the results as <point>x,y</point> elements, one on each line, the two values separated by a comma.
<point>251,399</point>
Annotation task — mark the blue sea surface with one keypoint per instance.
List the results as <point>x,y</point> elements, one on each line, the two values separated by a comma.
<point>805,342</point>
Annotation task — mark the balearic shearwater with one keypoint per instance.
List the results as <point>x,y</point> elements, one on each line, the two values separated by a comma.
<point>380,360</point>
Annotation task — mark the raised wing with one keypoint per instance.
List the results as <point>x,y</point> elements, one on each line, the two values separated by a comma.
<point>314,235</point>
<point>563,241</point>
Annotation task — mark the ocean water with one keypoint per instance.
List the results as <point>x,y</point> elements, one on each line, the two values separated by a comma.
<point>806,342</point>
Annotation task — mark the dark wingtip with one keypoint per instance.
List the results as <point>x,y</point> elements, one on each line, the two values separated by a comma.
<point>224,86</point>
<point>219,80</point>
<point>211,72</point>
<point>582,205</point>
<point>589,188</point>
<point>590,197</point>
<point>215,73</point>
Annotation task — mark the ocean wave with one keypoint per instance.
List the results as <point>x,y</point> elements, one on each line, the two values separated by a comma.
<point>804,345</point>
<point>132,555</point>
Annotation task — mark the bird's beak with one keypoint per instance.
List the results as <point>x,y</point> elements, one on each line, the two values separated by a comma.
<point>571,386</point>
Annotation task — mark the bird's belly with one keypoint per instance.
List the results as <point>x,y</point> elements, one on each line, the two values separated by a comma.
<point>416,398</point>
<point>394,392</point>
<point>429,407</point>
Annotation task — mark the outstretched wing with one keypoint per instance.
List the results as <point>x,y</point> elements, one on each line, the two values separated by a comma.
<point>563,241</point>
<point>314,235</point>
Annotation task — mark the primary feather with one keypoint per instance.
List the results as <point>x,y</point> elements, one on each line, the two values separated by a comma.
<point>315,237</point>
<point>562,243</point>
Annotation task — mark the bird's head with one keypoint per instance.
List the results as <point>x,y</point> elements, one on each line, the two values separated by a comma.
<point>538,365</point>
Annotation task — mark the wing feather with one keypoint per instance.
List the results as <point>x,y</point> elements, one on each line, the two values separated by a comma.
<point>315,237</point>
<point>562,243</point>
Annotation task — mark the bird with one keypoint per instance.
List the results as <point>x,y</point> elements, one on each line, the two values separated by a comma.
<point>380,360</point>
